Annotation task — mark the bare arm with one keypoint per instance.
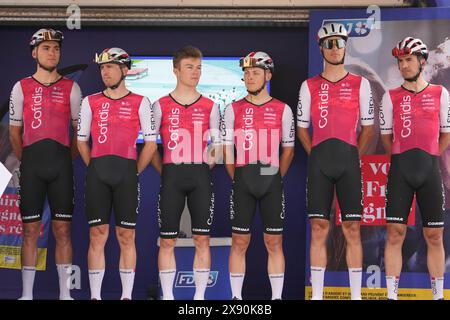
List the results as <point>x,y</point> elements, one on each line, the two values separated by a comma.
<point>215,155</point>
<point>386,139</point>
<point>85,151</point>
<point>212,157</point>
<point>157,162</point>
<point>364,139</point>
<point>305,139</point>
<point>146,155</point>
<point>444,141</point>
<point>287,154</point>
<point>73,147</point>
<point>15,136</point>
<point>228,155</point>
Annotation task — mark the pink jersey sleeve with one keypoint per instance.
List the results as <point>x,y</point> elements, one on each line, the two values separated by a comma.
<point>147,120</point>
<point>227,126</point>
<point>287,127</point>
<point>445,111</point>
<point>84,121</point>
<point>75,103</point>
<point>157,114</point>
<point>304,106</point>
<point>214,124</point>
<point>366,103</point>
<point>16,105</point>
<point>386,114</point>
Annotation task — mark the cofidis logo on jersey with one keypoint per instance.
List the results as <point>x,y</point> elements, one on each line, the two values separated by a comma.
<point>103,114</point>
<point>355,27</point>
<point>185,279</point>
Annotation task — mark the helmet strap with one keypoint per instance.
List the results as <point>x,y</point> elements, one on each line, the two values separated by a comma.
<point>115,86</point>
<point>255,93</point>
<point>333,63</point>
<point>48,69</point>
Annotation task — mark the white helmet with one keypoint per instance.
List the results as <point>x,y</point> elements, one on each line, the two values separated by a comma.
<point>331,30</point>
<point>46,35</point>
<point>113,55</point>
<point>410,45</point>
<point>257,59</point>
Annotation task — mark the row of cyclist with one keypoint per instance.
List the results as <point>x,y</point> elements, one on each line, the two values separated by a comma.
<point>415,127</point>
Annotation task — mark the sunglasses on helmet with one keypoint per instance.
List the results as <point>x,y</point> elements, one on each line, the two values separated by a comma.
<point>102,57</point>
<point>248,62</point>
<point>52,35</point>
<point>396,52</point>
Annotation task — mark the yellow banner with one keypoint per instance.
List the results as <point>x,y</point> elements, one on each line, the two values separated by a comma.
<point>10,258</point>
<point>343,293</point>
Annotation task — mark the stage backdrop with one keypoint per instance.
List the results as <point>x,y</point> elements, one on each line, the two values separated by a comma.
<point>372,36</point>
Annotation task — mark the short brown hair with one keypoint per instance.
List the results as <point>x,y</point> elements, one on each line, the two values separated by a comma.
<point>186,52</point>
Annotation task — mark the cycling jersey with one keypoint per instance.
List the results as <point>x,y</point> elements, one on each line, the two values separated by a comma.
<point>44,111</point>
<point>258,130</point>
<point>185,128</point>
<point>111,180</point>
<point>185,174</point>
<point>334,108</point>
<point>415,119</point>
<point>114,124</point>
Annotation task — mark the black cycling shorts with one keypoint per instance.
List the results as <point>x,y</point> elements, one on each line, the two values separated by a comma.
<point>46,171</point>
<point>250,187</point>
<point>334,163</point>
<point>179,181</point>
<point>112,183</point>
<point>415,171</point>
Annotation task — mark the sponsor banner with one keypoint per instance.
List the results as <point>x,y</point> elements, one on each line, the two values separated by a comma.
<point>374,171</point>
<point>185,279</point>
<point>343,293</point>
<point>11,232</point>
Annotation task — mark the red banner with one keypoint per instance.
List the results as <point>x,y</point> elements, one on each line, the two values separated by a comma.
<point>374,170</point>
<point>10,218</point>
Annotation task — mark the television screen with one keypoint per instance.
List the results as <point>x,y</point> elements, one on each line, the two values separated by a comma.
<point>221,79</point>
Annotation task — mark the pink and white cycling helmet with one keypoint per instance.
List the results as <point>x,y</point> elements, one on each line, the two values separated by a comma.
<point>410,45</point>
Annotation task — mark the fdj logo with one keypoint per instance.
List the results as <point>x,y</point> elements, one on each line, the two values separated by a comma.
<point>185,279</point>
<point>355,27</point>
<point>361,27</point>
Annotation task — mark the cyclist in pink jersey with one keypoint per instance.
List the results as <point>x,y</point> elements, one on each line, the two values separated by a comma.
<point>113,118</point>
<point>41,109</point>
<point>335,102</point>
<point>186,120</point>
<point>256,126</point>
<point>415,128</point>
